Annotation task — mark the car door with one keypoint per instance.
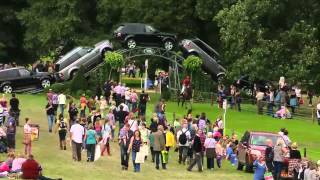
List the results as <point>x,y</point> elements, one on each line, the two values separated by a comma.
<point>91,59</point>
<point>26,79</point>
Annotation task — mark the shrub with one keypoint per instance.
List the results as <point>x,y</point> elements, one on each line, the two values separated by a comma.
<point>59,87</point>
<point>115,61</point>
<point>79,82</point>
<point>192,64</point>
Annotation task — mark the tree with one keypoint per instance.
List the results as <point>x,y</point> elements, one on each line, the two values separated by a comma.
<point>192,64</point>
<point>261,40</point>
<point>115,62</point>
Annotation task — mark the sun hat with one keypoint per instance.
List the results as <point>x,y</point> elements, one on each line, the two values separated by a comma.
<point>294,145</point>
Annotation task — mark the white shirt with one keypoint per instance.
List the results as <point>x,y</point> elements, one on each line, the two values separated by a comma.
<point>298,92</point>
<point>62,99</point>
<point>133,125</point>
<point>77,132</point>
<point>125,107</point>
<point>318,106</point>
<point>127,95</point>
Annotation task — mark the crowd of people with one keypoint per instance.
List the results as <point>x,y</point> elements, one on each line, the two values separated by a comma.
<point>282,102</point>
<point>90,124</point>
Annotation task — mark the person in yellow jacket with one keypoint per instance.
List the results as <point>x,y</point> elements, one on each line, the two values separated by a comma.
<point>170,141</point>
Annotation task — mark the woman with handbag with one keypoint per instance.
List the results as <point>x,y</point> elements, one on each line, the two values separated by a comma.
<point>135,144</point>
<point>27,137</point>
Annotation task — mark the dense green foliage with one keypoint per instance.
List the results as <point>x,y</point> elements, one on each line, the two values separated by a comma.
<point>79,82</point>
<point>192,63</point>
<point>265,39</point>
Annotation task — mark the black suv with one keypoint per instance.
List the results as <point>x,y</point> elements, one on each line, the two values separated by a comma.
<point>19,77</point>
<point>133,34</point>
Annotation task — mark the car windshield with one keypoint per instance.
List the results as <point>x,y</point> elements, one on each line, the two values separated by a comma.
<point>119,28</point>
<point>261,139</point>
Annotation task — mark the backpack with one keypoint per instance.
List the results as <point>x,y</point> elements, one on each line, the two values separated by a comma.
<point>62,125</point>
<point>183,138</point>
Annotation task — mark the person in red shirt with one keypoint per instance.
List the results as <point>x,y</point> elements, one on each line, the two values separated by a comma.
<point>185,83</point>
<point>31,169</point>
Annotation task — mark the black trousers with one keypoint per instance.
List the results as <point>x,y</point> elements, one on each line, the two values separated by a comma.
<point>76,151</point>
<point>152,153</point>
<point>91,148</point>
<point>210,163</point>
<point>158,155</point>
<point>197,160</point>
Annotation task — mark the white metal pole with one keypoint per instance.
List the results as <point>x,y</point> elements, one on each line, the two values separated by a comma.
<point>146,75</point>
<point>224,116</point>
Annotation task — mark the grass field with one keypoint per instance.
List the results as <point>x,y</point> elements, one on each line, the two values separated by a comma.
<point>58,163</point>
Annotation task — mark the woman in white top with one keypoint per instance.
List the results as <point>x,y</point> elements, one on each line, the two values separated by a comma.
<point>27,137</point>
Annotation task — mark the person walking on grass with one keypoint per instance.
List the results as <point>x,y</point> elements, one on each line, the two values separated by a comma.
<point>197,147</point>
<point>11,133</point>
<point>135,144</point>
<point>183,137</point>
<point>158,146</point>
<point>76,135</point>
<point>27,137</point>
<point>50,115</point>
<point>14,107</point>
<point>210,145</point>
<point>90,140</point>
<point>62,128</point>
<point>124,141</point>
<point>62,102</point>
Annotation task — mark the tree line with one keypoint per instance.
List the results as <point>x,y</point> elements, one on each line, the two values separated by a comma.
<point>265,39</point>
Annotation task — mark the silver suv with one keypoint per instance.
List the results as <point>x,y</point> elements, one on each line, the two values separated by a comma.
<point>208,55</point>
<point>88,57</point>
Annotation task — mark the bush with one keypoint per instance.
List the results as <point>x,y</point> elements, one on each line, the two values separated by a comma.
<point>59,87</point>
<point>192,64</point>
<point>79,82</point>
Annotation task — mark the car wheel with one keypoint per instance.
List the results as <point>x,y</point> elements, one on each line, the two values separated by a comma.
<point>7,89</point>
<point>104,52</point>
<point>168,45</point>
<point>220,78</point>
<point>131,43</point>
<point>45,83</point>
<point>248,92</point>
<point>73,74</point>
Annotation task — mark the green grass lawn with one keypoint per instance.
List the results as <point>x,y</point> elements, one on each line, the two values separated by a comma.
<point>58,163</point>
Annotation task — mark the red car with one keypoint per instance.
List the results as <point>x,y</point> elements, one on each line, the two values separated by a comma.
<point>251,141</point>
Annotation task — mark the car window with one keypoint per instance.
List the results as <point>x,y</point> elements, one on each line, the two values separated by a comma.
<point>68,61</point>
<point>24,73</point>
<point>150,29</point>
<point>83,51</point>
<point>10,74</point>
<point>206,49</point>
<point>134,28</point>
<point>261,139</point>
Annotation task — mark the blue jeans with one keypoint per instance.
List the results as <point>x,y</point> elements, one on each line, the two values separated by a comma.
<point>134,106</point>
<point>124,155</point>
<point>277,169</point>
<point>61,108</point>
<point>136,166</point>
<point>50,121</point>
